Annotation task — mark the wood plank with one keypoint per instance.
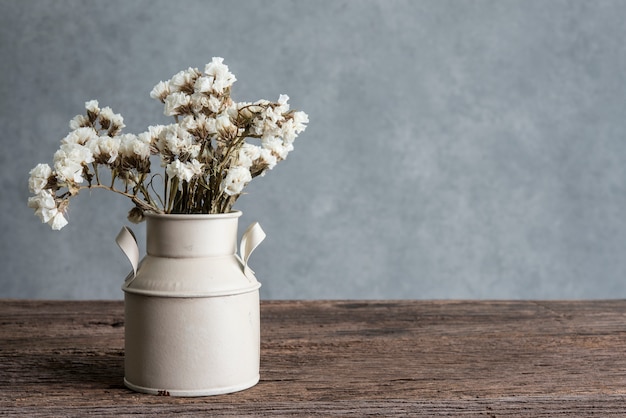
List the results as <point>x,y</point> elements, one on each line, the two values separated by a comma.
<point>390,358</point>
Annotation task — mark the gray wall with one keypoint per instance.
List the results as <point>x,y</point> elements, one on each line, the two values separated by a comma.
<point>457,149</point>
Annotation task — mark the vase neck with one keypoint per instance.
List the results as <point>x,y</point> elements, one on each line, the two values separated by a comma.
<point>181,236</point>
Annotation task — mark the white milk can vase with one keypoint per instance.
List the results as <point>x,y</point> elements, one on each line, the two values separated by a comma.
<point>191,307</point>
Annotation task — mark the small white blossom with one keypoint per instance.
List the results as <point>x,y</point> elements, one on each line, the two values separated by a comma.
<point>283,105</point>
<point>189,123</point>
<point>177,141</point>
<point>160,91</point>
<point>115,119</point>
<point>92,107</point>
<point>248,153</point>
<point>300,119</point>
<point>207,124</point>
<point>69,161</point>
<point>146,138</point>
<point>225,126</point>
<point>277,146</point>
<point>79,121</point>
<point>184,171</point>
<point>267,122</point>
<point>268,158</point>
<point>245,109</point>
<point>44,205</point>
<point>288,131</point>
<point>175,102</point>
<point>214,104</point>
<point>154,132</point>
<point>203,84</point>
<point>39,177</point>
<point>107,114</point>
<point>199,102</point>
<point>58,221</point>
<point>133,147</point>
<point>46,209</point>
<point>107,147</point>
<point>183,79</point>
<point>236,179</point>
<point>222,78</point>
<point>80,136</point>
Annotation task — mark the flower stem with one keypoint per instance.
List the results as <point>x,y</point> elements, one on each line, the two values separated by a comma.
<point>145,206</point>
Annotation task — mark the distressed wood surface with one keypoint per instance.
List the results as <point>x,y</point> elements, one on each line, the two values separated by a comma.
<point>334,358</point>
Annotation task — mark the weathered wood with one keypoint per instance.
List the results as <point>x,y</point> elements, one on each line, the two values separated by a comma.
<point>322,358</point>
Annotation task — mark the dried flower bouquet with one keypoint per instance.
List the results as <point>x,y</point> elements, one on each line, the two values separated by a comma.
<point>204,154</point>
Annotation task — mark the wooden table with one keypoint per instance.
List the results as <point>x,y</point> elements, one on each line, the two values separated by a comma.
<point>325,358</point>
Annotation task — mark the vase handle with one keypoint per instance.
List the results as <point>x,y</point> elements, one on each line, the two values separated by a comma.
<point>251,239</point>
<point>128,244</point>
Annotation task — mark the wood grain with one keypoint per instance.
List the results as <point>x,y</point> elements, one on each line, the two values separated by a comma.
<point>339,358</point>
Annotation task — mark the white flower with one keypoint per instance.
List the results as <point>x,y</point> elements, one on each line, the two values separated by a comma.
<point>160,91</point>
<point>225,126</point>
<point>44,205</point>
<point>277,146</point>
<point>69,171</point>
<point>198,102</point>
<point>131,146</point>
<point>245,109</point>
<point>207,124</point>
<point>283,105</point>
<point>93,147</point>
<point>183,79</point>
<point>80,136</point>
<point>69,161</point>
<point>300,119</point>
<point>177,141</point>
<point>288,131</point>
<point>236,179</point>
<point>222,78</point>
<point>39,178</point>
<point>184,171</point>
<point>92,107</point>
<point>146,138</point>
<point>58,221</point>
<point>267,122</point>
<point>108,118</point>
<point>154,132</point>
<point>189,123</point>
<point>248,153</point>
<point>46,209</point>
<point>203,84</point>
<point>214,104</point>
<point>268,158</point>
<point>79,121</point>
<point>175,102</point>
<point>223,122</point>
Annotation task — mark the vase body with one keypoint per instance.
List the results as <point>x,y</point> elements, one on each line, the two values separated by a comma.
<point>191,310</point>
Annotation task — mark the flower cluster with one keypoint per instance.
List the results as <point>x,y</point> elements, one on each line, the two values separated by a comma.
<point>214,148</point>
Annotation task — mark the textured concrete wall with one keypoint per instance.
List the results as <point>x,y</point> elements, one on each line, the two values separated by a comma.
<point>456,149</point>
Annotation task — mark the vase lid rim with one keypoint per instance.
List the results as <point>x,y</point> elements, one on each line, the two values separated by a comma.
<point>194,216</point>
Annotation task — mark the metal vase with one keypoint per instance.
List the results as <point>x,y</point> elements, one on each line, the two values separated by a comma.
<point>191,307</point>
